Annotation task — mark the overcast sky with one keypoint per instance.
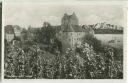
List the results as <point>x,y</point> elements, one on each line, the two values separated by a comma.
<point>25,14</point>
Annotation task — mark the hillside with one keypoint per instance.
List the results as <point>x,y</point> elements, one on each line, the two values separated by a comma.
<point>104,28</point>
<point>107,31</point>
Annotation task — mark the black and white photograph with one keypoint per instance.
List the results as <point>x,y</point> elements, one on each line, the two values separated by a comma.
<point>0,36</point>
<point>63,41</point>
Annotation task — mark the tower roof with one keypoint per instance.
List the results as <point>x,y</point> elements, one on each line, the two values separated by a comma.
<point>70,19</point>
<point>68,28</point>
<point>70,23</point>
<point>72,28</point>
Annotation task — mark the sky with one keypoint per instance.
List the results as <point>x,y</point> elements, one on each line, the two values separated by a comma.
<point>34,14</point>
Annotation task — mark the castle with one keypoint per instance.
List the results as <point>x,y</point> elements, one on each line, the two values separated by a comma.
<point>71,32</point>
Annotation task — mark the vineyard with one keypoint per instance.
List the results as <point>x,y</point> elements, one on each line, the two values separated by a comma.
<point>83,63</point>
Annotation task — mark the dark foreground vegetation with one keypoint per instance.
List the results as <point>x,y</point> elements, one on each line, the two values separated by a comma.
<point>108,31</point>
<point>42,58</point>
<point>85,62</point>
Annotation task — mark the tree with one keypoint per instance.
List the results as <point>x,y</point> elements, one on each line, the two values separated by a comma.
<point>47,36</point>
<point>24,35</point>
<point>92,41</point>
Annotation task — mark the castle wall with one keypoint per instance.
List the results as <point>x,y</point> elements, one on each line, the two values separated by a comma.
<point>70,39</point>
<point>70,36</point>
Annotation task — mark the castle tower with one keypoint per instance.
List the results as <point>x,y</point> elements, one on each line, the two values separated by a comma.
<point>70,33</point>
<point>69,19</point>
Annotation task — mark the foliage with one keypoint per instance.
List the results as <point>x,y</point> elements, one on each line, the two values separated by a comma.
<point>24,34</point>
<point>47,36</point>
<point>85,64</point>
<point>92,41</point>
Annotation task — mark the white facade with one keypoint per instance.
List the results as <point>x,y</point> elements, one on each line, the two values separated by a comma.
<point>70,39</point>
<point>9,37</point>
<point>71,33</point>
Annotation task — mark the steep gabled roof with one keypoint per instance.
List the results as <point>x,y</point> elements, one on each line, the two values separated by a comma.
<point>73,28</point>
<point>68,28</point>
<point>78,28</point>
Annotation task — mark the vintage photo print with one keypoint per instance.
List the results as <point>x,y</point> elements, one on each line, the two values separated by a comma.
<point>63,40</point>
<point>0,36</point>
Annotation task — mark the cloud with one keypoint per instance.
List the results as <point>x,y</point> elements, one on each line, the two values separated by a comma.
<point>52,19</point>
<point>109,18</point>
<point>35,14</point>
<point>91,19</point>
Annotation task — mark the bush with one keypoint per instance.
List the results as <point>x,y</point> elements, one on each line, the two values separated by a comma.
<point>92,41</point>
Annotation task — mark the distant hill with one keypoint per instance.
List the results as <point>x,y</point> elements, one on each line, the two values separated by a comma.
<point>105,28</point>
<point>104,25</point>
<point>107,31</point>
